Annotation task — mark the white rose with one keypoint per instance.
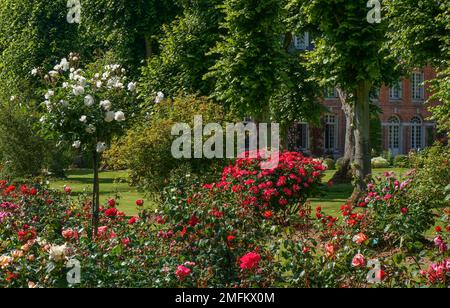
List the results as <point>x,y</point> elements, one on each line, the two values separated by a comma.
<point>132,86</point>
<point>106,105</point>
<point>82,80</point>
<point>58,253</point>
<point>49,94</point>
<point>90,129</point>
<point>89,101</point>
<point>101,147</point>
<point>119,116</point>
<point>83,119</point>
<point>34,71</point>
<point>77,144</point>
<point>99,84</point>
<point>64,103</point>
<point>78,90</point>
<point>65,65</point>
<point>109,116</point>
<point>159,97</point>
<point>65,85</point>
<point>53,73</point>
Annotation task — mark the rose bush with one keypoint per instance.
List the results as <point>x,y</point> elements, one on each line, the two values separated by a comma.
<point>205,235</point>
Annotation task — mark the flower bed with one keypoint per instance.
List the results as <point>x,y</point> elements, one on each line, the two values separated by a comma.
<point>227,233</point>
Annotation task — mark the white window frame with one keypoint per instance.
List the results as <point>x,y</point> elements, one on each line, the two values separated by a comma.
<point>394,134</point>
<point>331,133</point>
<point>301,42</point>
<point>396,91</point>
<point>328,95</point>
<point>417,133</point>
<point>417,87</point>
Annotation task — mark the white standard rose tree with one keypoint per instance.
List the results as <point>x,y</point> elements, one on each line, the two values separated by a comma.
<point>87,107</point>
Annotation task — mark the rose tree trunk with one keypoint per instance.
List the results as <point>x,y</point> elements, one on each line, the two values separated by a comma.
<point>363,165</point>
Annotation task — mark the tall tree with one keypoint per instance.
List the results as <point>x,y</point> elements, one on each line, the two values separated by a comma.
<point>185,44</point>
<point>129,29</point>
<point>349,53</point>
<point>250,56</point>
<point>420,35</point>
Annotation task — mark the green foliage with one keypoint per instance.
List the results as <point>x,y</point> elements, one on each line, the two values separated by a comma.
<point>129,29</point>
<point>396,216</point>
<point>250,56</point>
<point>146,148</point>
<point>329,162</point>
<point>22,149</point>
<point>183,60</point>
<point>380,162</point>
<point>402,161</point>
<point>38,34</point>
<point>432,175</point>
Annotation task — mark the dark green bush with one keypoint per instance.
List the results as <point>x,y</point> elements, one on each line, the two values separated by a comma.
<point>146,148</point>
<point>401,161</point>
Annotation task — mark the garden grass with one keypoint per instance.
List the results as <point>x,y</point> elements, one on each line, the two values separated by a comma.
<point>113,185</point>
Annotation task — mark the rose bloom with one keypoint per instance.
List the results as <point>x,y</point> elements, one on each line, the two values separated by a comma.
<point>359,261</point>
<point>329,250</point>
<point>250,261</point>
<point>68,190</point>
<point>268,214</point>
<point>112,212</point>
<point>139,202</point>
<point>112,202</point>
<point>132,220</point>
<point>182,272</point>
<point>360,238</point>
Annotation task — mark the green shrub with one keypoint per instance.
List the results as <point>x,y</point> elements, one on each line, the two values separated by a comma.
<point>339,163</point>
<point>331,165</point>
<point>22,149</point>
<point>401,161</point>
<point>432,175</point>
<point>146,148</point>
<point>380,162</point>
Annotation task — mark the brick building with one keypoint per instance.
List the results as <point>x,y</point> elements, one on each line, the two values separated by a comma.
<point>404,118</point>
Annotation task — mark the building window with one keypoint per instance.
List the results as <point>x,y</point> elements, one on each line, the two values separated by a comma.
<point>301,41</point>
<point>330,93</point>
<point>299,137</point>
<point>330,133</point>
<point>396,91</point>
<point>394,135</point>
<point>417,87</point>
<point>416,133</point>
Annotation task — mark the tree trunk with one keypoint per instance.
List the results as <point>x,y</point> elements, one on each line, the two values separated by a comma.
<point>345,175</point>
<point>95,196</point>
<point>148,47</point>
<point>363,165</point>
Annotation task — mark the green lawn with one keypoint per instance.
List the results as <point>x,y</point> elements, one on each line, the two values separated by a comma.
<point>337,195</point>
<point>113,185</point>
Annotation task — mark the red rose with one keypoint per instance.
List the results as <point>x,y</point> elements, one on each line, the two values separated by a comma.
<point>140,202</point>
<point>182,272</point>
<point>359,261</point>
<point>112,202</point>
<point>230,238</point>
<point>68,190</point>
<point>404,210</point>
<point>112,212</point>
<point>24,189</point>
<point>33,191</point>
<point>132,220</point>
<point>268,214</point>
<point>438,229</point>
<point>250,261</point>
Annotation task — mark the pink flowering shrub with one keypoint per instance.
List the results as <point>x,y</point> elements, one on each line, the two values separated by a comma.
<point>395,216</point>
